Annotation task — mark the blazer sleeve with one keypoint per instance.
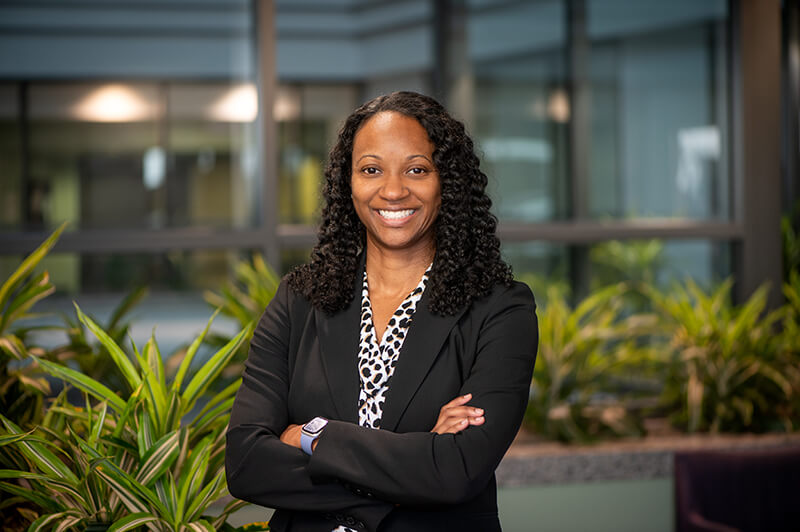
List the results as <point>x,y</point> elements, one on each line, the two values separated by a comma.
<point>423,468</point>
<point>259,467</point>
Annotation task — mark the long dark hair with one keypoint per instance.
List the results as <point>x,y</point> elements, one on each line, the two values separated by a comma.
<point>467,263</point>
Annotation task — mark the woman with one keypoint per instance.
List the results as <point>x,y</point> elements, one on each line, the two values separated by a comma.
<point>406,320</point>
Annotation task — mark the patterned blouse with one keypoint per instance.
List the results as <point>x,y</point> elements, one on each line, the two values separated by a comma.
<point>376,361</point>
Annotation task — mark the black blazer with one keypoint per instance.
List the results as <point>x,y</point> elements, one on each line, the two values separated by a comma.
<point>303,363</point>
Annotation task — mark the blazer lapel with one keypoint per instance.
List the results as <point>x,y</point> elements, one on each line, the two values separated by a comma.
<point>420,348</point>
<point>338,338</point>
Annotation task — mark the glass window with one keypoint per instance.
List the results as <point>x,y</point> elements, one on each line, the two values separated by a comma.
<point>658,83</point>
<point>11,206</point>
<point>515,73</point>
<point>174,271</point>
<point>142,155</point>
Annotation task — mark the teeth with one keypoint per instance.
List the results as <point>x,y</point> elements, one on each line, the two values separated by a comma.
<point>396,215</point>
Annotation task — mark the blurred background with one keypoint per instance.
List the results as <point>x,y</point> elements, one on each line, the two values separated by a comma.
<point>179,136</point>
<point>651,142</point>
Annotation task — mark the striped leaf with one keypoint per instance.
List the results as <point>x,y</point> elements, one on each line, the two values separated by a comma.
<point>193,475</point>
<point>231,507</point>
<point>58,486</point>
<point>99,424</point>
<point>172,420</point>
<point>200,526</point>
<point>134,496</point>
<point>40,455</point>
<point>117,354</point>
<point>211,369</point>
<point>229,391</point>
<point>132,521</point>
<point>221,412</point>
<point>45,521</point>
<point>128,411</point>
<point>33,290</point>
<point>206,496</point>
<point>83,382</point>
<point>48,503</point>
<point>27,266</point>
<point>145,434</point>
<point>177,382</point>
<point>8,439</point>
<point>159,458</point>
<point>67,523</point>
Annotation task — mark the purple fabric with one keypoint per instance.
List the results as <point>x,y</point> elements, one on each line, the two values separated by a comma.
<point>746,490</point>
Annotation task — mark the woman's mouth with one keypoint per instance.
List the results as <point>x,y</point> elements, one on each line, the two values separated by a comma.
<point>395,215</point>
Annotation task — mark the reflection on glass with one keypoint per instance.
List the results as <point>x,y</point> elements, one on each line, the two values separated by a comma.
<point>540,265</point>
<point>308,118</point>
<point>291,257</point>
<point>659,262</point>
<point>521,107</point>
<point>10,157</point>
<point>194,270</point>
<point>658,109</point>
<point>141,155</point>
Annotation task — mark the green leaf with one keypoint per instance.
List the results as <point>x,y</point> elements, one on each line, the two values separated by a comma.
<point>83,382</point>
<point>134,496</point>
<point>117,354</point>
<point>159,458</point>
<point>192,475</point>
<point>30,262</point>
<point>132,521</point>
<point>211,369</point>
<point>45,521</point>
<point>42,457</point>
<point>177,383</point>
<point>48,503</point>
<point>206,496</point>
<point>200,526</point>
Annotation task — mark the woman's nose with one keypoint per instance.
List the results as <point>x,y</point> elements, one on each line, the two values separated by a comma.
<point>394,187</point>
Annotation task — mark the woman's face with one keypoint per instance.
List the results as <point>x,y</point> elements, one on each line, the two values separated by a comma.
<point>395,184</point>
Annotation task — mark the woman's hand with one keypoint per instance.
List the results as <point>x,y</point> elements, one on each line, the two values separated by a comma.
<point>291,436</point>
<point>455,416</point>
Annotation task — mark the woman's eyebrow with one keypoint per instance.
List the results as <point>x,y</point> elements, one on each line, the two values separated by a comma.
<point>369,155</point>
<point>419,155</point>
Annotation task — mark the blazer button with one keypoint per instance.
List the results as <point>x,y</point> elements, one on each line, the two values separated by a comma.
<point>339,518</point>
<point>350,521</point>
<point>359,491</point>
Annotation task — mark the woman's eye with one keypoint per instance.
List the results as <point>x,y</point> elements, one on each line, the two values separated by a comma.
<point>417,171</point>
<point>370,170</point>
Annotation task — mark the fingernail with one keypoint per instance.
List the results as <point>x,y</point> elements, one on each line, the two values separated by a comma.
<point>478,411</point>
<point>479,419</point>
<point>464,421</point>
<point>466,396</point>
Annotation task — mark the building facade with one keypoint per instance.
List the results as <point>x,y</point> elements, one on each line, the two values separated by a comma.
<point>619,136</point>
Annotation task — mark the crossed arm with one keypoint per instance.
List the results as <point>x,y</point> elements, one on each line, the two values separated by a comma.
<point>446,465</point>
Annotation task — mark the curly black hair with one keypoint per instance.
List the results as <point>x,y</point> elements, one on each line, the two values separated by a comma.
<point>467,262</point>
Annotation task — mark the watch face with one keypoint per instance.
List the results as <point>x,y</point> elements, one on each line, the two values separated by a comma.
<point>315,425</point>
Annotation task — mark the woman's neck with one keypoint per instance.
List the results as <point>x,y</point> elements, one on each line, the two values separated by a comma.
<point>396,272</point>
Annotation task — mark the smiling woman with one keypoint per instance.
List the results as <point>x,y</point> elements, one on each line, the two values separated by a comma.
<point>389,375</point>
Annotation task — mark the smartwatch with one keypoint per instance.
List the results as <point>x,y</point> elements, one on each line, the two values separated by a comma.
<point>310,432</point>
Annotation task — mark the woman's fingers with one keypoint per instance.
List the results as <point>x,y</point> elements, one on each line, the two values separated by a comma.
<point>456,416</point>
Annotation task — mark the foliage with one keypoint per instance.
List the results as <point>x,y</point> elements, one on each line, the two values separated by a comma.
<point>579,383</point>
<point>725,374</point>
<point>21,389</point>
<point>244,300</point>
<point>91,356</point>
<point>631,261</point>
<point>147,457</point>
